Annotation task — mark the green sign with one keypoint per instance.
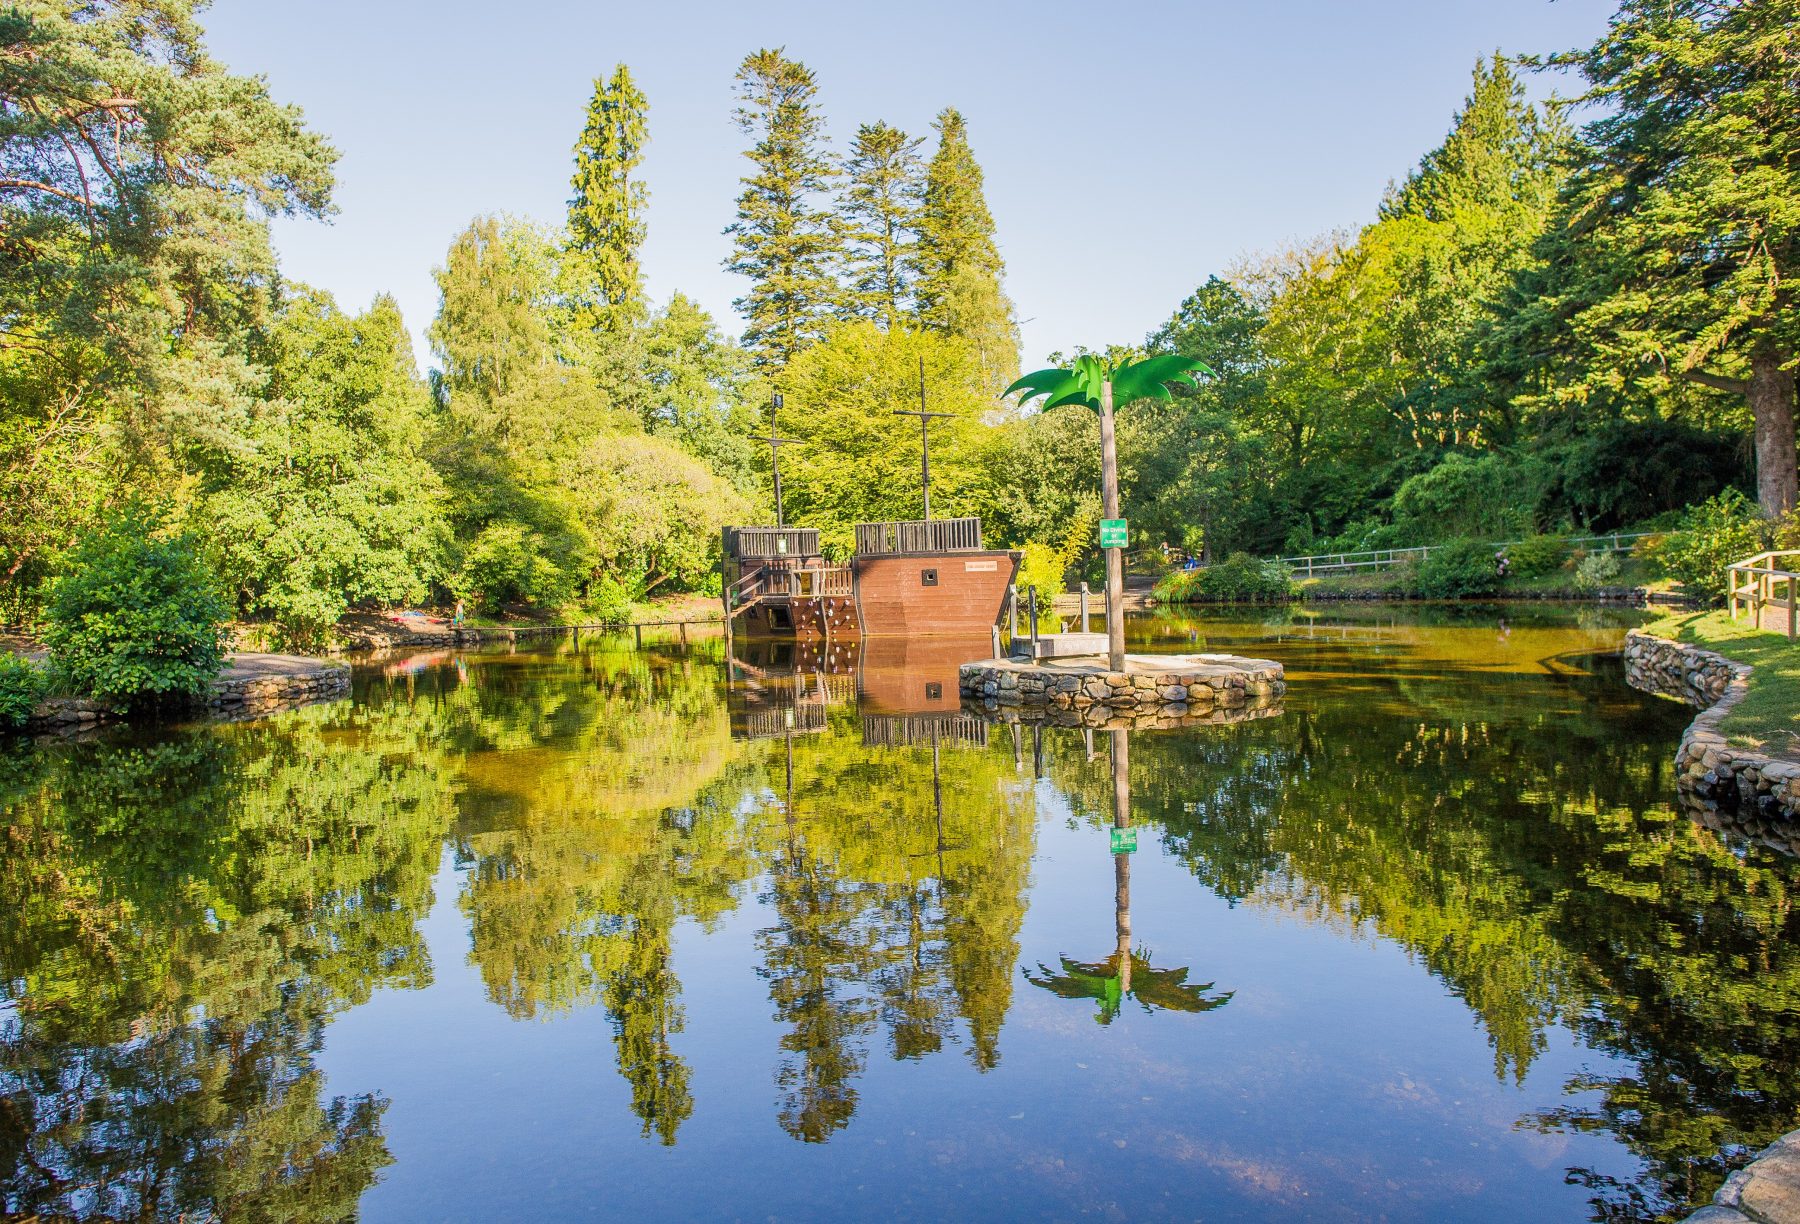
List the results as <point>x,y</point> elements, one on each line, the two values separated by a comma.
<point>1113,534</point>
<point>1124,841</point>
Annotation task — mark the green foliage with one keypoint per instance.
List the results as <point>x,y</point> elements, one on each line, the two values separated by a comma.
<point>333,505</point>
<point>134,616</point>
<point>883,193</point>
<point>1712,535</point>
<point>1597,570</point>
<point>1535,556</point>
<point>1041,569</point>
<point>959,265</point>
<point>21,685</point>
<point>1240,578</point>
<point>1625,472</point>
<point>1458,569</point>
<point>1673,255</point>
<point>509,563</point>
<point>1491,495</point>
<point>606,211</point>
<point>782,239</point>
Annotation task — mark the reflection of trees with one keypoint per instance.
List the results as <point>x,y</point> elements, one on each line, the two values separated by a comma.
<point>1516,836</point>
<point>892,913</point>
<point>177,924</point>
<point>591,823</point>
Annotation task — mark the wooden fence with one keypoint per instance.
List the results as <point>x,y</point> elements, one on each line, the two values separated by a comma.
<point>1751,585</point>
<point>1381,558</point>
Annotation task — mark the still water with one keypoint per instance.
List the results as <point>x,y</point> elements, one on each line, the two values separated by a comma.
<point>584,931</point>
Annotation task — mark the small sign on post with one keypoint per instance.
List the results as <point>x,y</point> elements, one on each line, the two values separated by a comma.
<point>1113,534</point>
<point>1124,841</point>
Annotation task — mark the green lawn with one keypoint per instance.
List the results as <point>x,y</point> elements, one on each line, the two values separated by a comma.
<point>1768,718</point>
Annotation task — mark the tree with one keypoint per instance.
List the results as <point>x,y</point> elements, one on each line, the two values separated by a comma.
<point>606,213</point>
<point>696,389</point>
<point>136,180</point>
<point>959,267</point>
<point>782,240</point>
<point>334,503</point>
<point>1680,229</point>
<point>881,202</point>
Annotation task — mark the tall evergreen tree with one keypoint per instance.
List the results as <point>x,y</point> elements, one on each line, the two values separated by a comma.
<point>959,267</point>
<point>606,212</point>
<point>782,240</point>
<point>1679,249</point>
<point>881,210</point>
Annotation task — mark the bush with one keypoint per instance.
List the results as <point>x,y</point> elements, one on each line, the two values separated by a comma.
<point>1041,569</point>
<point>1712,535</point>
<point>608,602</point>
<point>21,684</point>
<point>1536,556</point>
<point>1242,577</point>
<point>1494,495</point>
<point>135,617</point>
<point>1458,570</point>
<point>1628,471</point>
<point>507,564</point>
<point>1597,570</point>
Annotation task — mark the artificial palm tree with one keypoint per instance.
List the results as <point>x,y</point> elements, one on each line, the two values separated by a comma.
<point>1091,384</point>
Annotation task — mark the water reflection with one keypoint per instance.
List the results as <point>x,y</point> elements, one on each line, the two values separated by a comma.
<point>1127,973</point>
<point>185,918</point>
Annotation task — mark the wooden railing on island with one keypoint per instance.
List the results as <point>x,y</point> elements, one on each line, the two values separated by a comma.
<point>1751,587</point>
<point>918,536</point>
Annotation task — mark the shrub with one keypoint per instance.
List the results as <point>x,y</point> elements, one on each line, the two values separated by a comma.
<point>1041,569</point>
<point>1458,570</point>
<point>609,603</point>
<point>1536,556</point>
<point>1494,495</point>
<point>136,616</point>
<point>1629,471</point>
<point>21,684</point>
<point>1712,535</point>
<point>507,564</point>
<point>1597,570</point>
<point>1242,577</point>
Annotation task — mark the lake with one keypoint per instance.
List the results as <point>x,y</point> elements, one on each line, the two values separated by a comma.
<point>584,931</point>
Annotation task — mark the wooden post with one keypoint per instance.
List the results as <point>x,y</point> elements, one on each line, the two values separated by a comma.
<point>638,631</point>
<point>1012,609</point>
<point>996,641</point>
<point>1031,604</point>
<point>1115,557</point>
<point>1084,607</point>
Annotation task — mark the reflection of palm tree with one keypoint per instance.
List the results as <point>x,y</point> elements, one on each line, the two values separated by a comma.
<point>1126,973</point>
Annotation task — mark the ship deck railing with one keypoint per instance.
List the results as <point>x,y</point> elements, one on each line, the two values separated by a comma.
<point>918,536</point>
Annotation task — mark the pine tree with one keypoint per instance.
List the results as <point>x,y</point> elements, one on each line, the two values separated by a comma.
<point>881,214</point>
<point>959,267</point>
<point>788,247</point>
<point>606,213</point>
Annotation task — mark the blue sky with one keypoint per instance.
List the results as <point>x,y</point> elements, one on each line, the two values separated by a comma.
<point>1146,144</point>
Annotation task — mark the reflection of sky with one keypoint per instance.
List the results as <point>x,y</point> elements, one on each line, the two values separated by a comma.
<point>1342,1080</point>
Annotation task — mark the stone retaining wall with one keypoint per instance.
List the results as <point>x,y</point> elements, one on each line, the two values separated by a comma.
<point>1174,686</point>
<point>229,697</point>
<point>1746,784</point>
<point>1766,1191</point>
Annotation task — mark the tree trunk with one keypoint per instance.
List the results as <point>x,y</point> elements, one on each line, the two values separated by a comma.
<point>1772,404</point>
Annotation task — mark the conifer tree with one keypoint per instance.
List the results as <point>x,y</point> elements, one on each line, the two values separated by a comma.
<point>959,267</point>
<point>606,212</point>
<point>787,245</point>
<point>881,211</point>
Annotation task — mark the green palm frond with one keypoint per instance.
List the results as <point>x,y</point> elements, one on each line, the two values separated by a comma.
<point>1081,385</point>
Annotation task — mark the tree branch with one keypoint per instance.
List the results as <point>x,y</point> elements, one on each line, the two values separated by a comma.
<point>1718,382</point>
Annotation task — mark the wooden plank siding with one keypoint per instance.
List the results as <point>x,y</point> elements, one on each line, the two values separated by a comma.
<point>895,599</point>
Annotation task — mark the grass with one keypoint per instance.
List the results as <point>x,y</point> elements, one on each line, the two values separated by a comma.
<point>1768,718</point>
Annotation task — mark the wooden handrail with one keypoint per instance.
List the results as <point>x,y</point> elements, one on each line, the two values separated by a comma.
<point>1759,592</point>
<point>771,542</point>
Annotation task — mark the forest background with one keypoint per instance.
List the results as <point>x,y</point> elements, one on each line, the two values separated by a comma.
<point>1571,315</point>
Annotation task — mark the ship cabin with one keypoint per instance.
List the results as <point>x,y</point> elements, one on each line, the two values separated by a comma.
<point>924,578</point>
